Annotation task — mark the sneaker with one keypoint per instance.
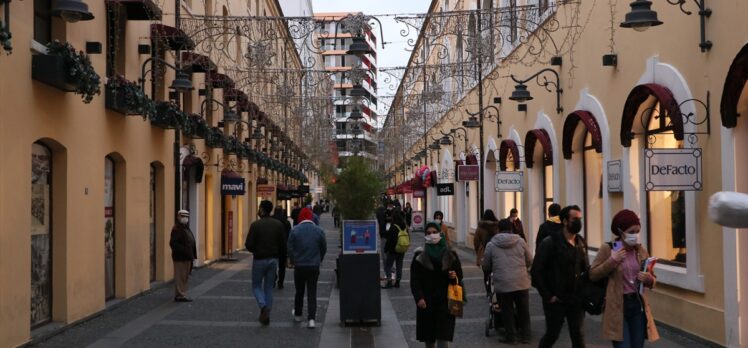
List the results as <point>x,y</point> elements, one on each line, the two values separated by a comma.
<point>296,318</point>
<point>311,325</point>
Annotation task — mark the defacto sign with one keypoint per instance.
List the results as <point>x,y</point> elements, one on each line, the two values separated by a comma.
<point>510,182</point>
<point>673,169</point>
<point>445,189</point>
<point>467,172</point>
<point>232,186</point>
<point>615,180</point>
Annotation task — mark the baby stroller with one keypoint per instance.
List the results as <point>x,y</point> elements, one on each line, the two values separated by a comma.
<point>494,321</point>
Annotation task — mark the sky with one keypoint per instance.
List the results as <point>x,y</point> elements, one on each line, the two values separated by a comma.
<point>395,53</point>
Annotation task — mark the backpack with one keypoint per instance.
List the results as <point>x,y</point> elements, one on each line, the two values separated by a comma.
<point>403,241</point>
<point>591,294</point>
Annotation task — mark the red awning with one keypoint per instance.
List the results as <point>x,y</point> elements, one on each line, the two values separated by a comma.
<point>639,95</point>
<point>471,159</point>
<point>534,136</point>
<point>735,82</point>
<point>197,63</point>
<point>570,126</point>
<point>506,146</point>
<point>173,38</point>
<point>195,162</point>
<point>226,173</point>
<point>218,80</point>
<point>138,10</point>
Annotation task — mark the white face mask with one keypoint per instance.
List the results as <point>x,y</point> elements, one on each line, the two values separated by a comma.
<point>184,220</point>
<point>433,238</point>
<point>438,221</point>
<point>631,239</point>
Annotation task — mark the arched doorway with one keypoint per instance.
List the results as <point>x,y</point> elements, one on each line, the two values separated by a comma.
<point>156,198</point>
<point>41,234</point>
<point>539,161</point>
<point>582,147</point>
<point>109,232</point>
<point>509,160</point>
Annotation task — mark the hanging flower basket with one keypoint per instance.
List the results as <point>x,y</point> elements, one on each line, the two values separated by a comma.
<point>167,115</point>
<point>214,138</point>
<point>126,97</point>
<point>66,69</point>
<point>195,127</point>
<point>232,145</point>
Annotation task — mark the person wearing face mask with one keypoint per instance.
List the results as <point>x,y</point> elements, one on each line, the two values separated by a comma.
<point>183,252</point>
<point>560,260</point>
<point>439,219</point>
<point>434,267</point>
<point>627,319</point>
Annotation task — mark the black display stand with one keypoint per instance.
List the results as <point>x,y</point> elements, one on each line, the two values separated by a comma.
<point>360,299</point>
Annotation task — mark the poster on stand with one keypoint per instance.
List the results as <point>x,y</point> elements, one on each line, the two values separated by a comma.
<point>360,237</point>
<point>417,222</point>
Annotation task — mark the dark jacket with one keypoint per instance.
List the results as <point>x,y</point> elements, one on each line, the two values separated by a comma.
<point>286,231</point>
<point>307,245</point>
<point>408,215</point>
<point>557,267</point>
<point>266,238</point>
<point>518,229</point>
<point>546,229</point>
<point>295,215</point>
<point>483,234</point>
<point>182,243</point>
<point>429,280</point>
<point>391,236</point>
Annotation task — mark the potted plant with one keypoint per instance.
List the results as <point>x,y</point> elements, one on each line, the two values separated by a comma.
<point>355,190</point>
<point>168,115</point>
<point>214,138</point>
<point>195,127</point>
<point>66,69</point>
<point>126,97</point>
<point>232,145</point>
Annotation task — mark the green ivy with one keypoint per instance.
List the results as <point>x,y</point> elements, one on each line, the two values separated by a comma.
<point>79,68</point>
<point>135,99</point>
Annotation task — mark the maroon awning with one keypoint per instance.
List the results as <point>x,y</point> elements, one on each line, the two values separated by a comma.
<point>504,148</point>
<point>639,95</point>
<point>570,126</point>
<point>471,159</point>
<point>226,173</point>
<point>173,38</point>
<point>218,80</point>
<point>233,94</point>
<point>138,10</point>
<point>534,136</point>
<point>197,63</point>
<point>190,162</point>
<point>735,82</point>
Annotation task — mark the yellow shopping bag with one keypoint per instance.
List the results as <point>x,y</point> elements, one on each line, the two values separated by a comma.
<point>455,302</point>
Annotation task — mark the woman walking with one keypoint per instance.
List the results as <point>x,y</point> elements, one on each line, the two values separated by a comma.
<point>487,228</point>
<point>439,219</point>
<point>434,268</point>
<point>408,214</point>
<point>392,256</point>
<point>627,319</point>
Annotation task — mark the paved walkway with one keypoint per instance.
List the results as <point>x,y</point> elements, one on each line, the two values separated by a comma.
<point>224,314</point>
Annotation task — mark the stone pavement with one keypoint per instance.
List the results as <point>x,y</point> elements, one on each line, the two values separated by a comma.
<point>224,314</point>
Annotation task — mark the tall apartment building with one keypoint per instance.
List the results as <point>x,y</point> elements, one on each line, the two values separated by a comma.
<point>335,42</point>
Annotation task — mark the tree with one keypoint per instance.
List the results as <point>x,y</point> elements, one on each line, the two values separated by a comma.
<point>356,189</point>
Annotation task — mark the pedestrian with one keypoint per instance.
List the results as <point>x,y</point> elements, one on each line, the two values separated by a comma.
<point>508,258</point>
<point>434,268</point>
<point>280,215</point>
<point>265,241</point>
<point>393,257</point>
<point>556,273</point>
<point>550,226</point>
<point>517,227</point>
<point>487,228</point>
<point>336,215</point>
<point>627,319</point>
<point>183,252</point>
<point>408,214</point>
<point>439,219</point>
<point>317,209</point>
<point>295,213</point>
<point>306,249</point>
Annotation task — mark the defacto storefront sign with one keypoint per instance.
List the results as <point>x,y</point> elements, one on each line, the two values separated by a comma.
<point>232,186</point>
<point>467,172</point>
<point>615,179</point>
<point>510,182</point>
<point>445,189</point>
<point>673,169</point>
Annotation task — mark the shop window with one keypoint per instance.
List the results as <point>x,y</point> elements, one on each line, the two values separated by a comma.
<point>592,164</point>
<point>547,187</point>
<point>41,235</point>
<point>512,200</point>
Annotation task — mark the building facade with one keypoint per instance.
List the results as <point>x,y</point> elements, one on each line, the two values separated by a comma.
<point>619,118</point>
<point>118,152</point>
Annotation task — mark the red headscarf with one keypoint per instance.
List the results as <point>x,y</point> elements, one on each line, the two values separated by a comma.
<point>305,214</point>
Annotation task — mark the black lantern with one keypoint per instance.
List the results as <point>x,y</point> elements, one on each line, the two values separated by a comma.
<point>356,114</point>
<point>435,146</point>
<point>357,91</point>
<point>445,140</point>
<point>520,93</point>
<point>359,47</point>
<point>230,115</point>
<point>181,82</point>
<point>641,16</point>
<point>71,11</point>
<point>257,134</point>
<point>472,122</point>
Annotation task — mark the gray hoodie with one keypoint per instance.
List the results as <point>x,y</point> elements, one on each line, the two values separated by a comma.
<point>508,257</point>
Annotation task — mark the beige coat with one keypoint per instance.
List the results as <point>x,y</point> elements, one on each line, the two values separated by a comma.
<point>613,314</point>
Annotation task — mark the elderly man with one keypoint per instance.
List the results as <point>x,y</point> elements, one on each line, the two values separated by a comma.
<point>183,252</point>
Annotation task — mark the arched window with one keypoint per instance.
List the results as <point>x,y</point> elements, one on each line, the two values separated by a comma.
<point>544,176</point>
<point>41,234</point>
<point>509,161</point>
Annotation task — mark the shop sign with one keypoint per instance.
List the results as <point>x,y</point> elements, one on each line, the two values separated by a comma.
<point>467,172</point>
<point>417,222</point>
<point>672,169</point>
<point>419,193</point>
<point>232,186</point>
<point>512,181</point>
<point>360,237</point>
<point>265,191</point>
<point>615,178</point>
<point>445,189</point>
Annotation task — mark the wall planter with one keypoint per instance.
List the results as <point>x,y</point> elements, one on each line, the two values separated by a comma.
<point>195,127</point>
<point>167,115</point>
<point>126,97</point>
<point>67,70</point>
<point>232,145</point>
<point>214,138</point>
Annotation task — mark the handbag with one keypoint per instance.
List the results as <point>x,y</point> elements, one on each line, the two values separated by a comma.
<point>591,295</point>
<point>455,300</point>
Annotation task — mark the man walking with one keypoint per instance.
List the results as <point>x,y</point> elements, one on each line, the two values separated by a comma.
<point>183,252</point>
<point>306,249</point>
<point>295,213</point>
<point>517,227</point>
<point>556,271</point>
<point>550,226</point>
<point>265,241</point>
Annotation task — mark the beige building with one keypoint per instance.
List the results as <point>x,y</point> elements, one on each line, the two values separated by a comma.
<point>644,120</point>
<point>65,261</point>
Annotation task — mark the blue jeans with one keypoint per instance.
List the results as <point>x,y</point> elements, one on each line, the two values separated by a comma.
<point>263,279</point>
<point>634,323</point>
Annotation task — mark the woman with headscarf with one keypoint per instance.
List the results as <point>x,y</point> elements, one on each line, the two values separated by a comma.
<point>434,268</point>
